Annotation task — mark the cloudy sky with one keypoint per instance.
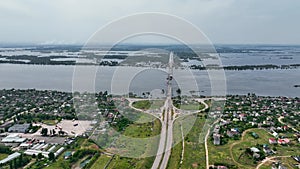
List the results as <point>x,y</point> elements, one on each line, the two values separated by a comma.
<point>223,21</point>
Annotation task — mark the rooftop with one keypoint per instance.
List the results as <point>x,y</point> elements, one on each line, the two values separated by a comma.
<point>10,157</point>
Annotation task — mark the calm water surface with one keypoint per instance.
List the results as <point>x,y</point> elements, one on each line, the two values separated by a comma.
<point>261,82</point>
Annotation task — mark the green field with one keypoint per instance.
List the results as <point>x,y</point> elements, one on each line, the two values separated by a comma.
<point>142,130</point>
<point>238,150</point>
<point>131,163</point>
<point>138,146</point>
<point>148,104</point>
<point>194,156</point>
<point>50,122</point>
<point>175,157</point>
<point>101,162</point>
<point>3,156</point>
<point>220,154</point>
<point>286,161</point>
<point>194,152</point>
<point>59,164</point>
<point>189,105</point>
<point>233,153</point>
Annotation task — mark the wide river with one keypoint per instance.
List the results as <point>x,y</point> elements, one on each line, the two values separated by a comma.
<point>261,82</point>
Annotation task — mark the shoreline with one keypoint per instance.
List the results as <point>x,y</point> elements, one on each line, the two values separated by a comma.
<point>191,67</point>
<point>139,97</point>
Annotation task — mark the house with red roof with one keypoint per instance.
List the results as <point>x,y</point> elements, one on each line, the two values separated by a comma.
<point>283,141</point>
<point>272,141</point>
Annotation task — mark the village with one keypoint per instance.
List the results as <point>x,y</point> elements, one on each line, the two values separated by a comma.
<point>44,131</point>
<point>261,128</point>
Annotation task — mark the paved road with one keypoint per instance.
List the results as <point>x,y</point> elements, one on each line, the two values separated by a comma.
<point>169,139</point>
<point>132,100</point>
<point>166,136</point>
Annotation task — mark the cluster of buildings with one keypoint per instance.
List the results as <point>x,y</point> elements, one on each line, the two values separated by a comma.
<point>19,128</point>
<point>20,101</point>
<point>44,149</point>
<point>279,141</point>
<point>251,111</point>
<point>33,144</point>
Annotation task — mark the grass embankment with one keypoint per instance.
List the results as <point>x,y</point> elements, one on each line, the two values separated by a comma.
<point>148,104</point>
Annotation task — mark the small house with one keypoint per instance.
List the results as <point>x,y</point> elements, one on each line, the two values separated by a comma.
<point>272,141</point>
<point>217,139</point>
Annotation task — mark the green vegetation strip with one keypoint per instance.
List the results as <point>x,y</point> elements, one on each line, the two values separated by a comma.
<point>101,162</point>
<point>148,104</point>
<point>194,156</point>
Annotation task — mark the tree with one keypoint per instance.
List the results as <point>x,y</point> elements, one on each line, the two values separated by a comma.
<point>61,132</point>
<point>15,163</point>
<point>10,165</point>
<point>4,149</point>
<point>178,91</point>
<point>39,156</point>
<point>44,131</point>
<point>51,156</point>
<point>20,160</point>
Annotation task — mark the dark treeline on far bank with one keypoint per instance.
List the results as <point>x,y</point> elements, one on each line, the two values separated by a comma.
<point>246,67</point>
<point>35,60</point>
<point>114,63</point>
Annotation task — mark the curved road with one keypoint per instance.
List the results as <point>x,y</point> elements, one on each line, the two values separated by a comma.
<point>269,159</point>
<point>280,121</point>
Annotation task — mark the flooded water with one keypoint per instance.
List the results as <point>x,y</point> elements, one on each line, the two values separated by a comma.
<point>261,82</point>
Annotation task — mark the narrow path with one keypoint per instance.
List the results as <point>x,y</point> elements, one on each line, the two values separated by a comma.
<point>238,142</point>
<point>182,152</point>
<point>280,121</point>
<point>269,159</point>
<point>206,146</point>
<point>262,162</point>
<point>206,149</point>
<point>29,164</point>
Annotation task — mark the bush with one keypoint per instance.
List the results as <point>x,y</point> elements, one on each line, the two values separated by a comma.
<point>4,149</point>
